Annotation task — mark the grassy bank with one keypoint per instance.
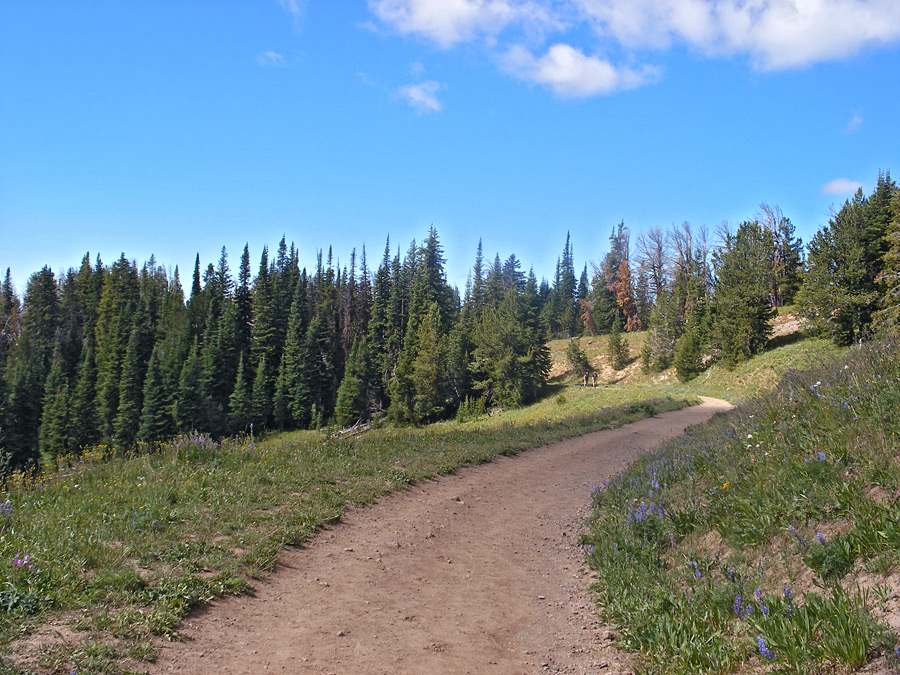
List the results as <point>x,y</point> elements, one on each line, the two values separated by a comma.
<point>767,540</point>
<point>101,558</point>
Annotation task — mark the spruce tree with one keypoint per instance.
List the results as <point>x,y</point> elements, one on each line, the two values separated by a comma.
<point>429,369</point>
<point>353,396</point>
<point>617,348</point>
<point>131,385</point>
<point>55,432</point>
<point>742,303</point>
<point>190,401</point>
<point>156,414</point>
<point>240,403</point>
<point>261,395</point>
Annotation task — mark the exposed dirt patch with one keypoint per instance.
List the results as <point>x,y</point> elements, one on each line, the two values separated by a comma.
<point>479,572</point>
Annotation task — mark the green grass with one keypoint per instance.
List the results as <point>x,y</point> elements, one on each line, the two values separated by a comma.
<point>122,548</point>
<point>779,521</point>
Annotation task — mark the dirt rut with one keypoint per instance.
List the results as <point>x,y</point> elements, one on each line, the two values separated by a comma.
<point>478,572</point>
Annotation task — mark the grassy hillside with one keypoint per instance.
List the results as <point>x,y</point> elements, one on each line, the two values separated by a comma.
<point>102,557</point>
<point>769,539</point>
<point>788,350</point>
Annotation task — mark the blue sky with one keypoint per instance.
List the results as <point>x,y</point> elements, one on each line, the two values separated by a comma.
<point>174,127</point>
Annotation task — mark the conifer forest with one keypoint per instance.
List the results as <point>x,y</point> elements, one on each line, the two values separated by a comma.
<point>120,354</point>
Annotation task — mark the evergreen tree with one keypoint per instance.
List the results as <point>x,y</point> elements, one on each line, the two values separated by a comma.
<point>354,395</point>
<point>689,353</point>
<point>261,395</point>
<point>577,359</point>
<point>839,293</point>
<point>9,313</point>
<point>118,303</point>
<point>888,317</point>
<point>742,304</point>
<point>55,431</point>
<point>85,431</point>
<point>617,347</point>
<point>190,400</point>
<point>27,367</point>
<point>429,369</point>
<point>240,403</point>
<point>156,413</point>
<point>131,385</point>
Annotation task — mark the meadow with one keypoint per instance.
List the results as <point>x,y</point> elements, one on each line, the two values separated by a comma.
<point>767,540</point>
<point>105,556</point>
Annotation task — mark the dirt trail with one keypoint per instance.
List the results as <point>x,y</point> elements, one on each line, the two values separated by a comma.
<point>479,572</point>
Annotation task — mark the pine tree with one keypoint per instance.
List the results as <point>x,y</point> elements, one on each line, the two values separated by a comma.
<point>429,369</point>
<point>353,396</point>
<point>118,303</point>
<point>84,400</point>
<point>131,385</point>
<point>888,317</point>
<point>742,303</point>
<point>156,414</point>
<point>55,431</point>
<point>617,347</point>
<point>261,395</point>
<point>190,400</point>
<point>240,403</point>
<point>689,353</point>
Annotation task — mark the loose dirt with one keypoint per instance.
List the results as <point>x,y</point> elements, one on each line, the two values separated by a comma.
<point>478,572</point>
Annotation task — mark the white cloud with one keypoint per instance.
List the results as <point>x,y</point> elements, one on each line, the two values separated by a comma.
<point>569,72</point>
<point>295,8</point>
<point>422,96</point>
<point>448,22</point>
<point>270,59</point>
<point>774,33</point>
<point>854,124</point>
<point>841,186</point>
<point>770,34</point>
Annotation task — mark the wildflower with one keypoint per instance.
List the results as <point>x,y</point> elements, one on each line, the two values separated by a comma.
<point>787,593</point>
<point>821,538</point>
<point>763,649</point>
<point>738,606</point>
<point>758,594</point>
<point>820,456</point>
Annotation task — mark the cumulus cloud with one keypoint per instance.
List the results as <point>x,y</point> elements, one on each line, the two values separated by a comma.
<point>571,73</point>
<point>841,187</point>
<point>773,33</point>
<point>270,59</point>
<point>770,34</point>
<point>422,96</point>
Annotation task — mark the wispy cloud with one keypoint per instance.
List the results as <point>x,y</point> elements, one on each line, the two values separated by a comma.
<point>296,8</point>
<point>448,22</point>
<point>841,187</point>
<point>270,59</point>
<point>571,73</point>
<point>422,96</point>
<point>854,124</point>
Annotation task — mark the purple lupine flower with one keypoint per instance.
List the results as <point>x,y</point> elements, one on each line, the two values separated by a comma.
<point>821,538</point>
<point>738,606</point>
<point>763,649</point>
<point>787,593</point>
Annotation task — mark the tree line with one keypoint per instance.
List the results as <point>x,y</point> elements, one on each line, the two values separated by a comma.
<point>119,354</point>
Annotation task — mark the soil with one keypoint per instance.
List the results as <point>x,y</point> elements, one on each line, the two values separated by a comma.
<point>477,572</point>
